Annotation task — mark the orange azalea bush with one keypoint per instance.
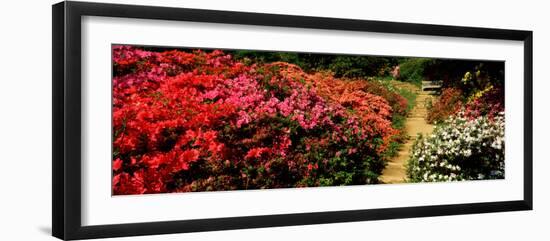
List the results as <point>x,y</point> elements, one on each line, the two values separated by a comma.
<point>374,111</point>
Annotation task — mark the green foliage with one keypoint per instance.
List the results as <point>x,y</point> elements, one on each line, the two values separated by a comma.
<point>360,66</point>
<point>410,96</point>
<point>414,69</point>
<point>467,75</point>
<point>347,66</point>
<point>393,149</point>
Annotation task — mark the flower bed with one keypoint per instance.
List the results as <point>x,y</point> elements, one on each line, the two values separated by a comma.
<point>448,104</point>
<point>200,121</point>
<point>460,148</point>
<point>489,103</point>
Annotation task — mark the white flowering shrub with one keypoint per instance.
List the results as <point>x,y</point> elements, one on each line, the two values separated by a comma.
<point>459,149</point>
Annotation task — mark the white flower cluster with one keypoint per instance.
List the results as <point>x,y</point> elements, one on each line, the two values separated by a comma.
<point>460,149</point>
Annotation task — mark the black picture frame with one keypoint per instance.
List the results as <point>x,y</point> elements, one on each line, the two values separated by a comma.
<point>66,129</point>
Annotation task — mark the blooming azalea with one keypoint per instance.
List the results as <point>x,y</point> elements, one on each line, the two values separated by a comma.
<point>202,120</point>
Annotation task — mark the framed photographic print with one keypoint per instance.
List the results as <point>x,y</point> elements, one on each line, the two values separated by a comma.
<point>169,120</point>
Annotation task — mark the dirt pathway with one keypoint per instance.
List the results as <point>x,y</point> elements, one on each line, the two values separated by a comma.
<point>395,171</point>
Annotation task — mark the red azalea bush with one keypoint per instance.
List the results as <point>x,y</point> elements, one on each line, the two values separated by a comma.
<point>489,104</point>
<point>199,121</point>
<point>449,102</point>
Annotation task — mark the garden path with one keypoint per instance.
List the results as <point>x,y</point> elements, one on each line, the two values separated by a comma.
<point>396,171</point>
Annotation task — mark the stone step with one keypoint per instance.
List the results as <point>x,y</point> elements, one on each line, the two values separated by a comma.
<point>418,114</point>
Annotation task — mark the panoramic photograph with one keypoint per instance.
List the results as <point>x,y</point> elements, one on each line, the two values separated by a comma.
<point>198,119</point>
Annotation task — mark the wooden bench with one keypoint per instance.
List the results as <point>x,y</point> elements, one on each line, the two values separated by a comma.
<point>432,85</point>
